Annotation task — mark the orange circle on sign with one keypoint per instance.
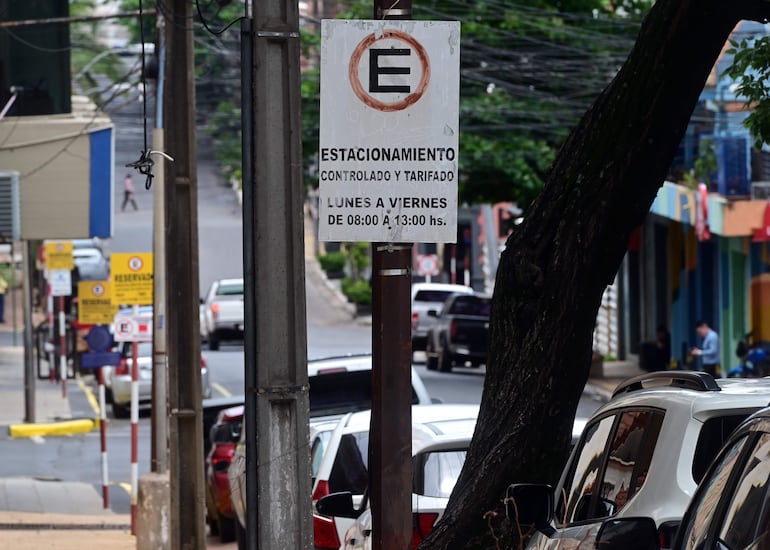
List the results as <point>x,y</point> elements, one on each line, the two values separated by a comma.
<point>372,102</point>
<point>135,263</point>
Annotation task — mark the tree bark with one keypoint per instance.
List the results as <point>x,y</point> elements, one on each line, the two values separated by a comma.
<point>559,260</point>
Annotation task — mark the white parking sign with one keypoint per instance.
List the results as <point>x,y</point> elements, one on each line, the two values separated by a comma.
<point>389,131</point>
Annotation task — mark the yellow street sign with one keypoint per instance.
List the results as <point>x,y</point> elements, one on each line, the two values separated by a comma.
<point>132,278</point>
<point>95,305</point>
<point>58,255</point>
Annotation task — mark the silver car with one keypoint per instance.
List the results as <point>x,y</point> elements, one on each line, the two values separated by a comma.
<point>118,379</point>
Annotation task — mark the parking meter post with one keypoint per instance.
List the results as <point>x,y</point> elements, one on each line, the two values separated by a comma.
<point>390,449</point>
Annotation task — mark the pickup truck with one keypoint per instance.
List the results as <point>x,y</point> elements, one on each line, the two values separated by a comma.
<point>223,311</point>
<point>427,297</point>
<point>460,334</point>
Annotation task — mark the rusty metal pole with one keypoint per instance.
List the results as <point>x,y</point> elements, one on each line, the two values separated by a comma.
<point>390,449</point>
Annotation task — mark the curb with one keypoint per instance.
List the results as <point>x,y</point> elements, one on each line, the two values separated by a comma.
<point>65,427</point>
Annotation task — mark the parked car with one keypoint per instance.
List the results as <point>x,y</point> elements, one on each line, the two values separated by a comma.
<point>429,297</point>
<point>438,457</point>
<point>223,437</point>
<point>118,379</point>
<point>440,438</point>
<point>338,385</point>
<point>91,264</point>
<point>460,334</point>
<point>640,455</point>
<point>730,508</point>
<point>223,312</point>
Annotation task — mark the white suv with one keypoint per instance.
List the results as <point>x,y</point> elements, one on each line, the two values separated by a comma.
<point>640,455</point>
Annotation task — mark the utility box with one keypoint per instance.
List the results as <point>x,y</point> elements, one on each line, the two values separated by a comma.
<point>10,206</point>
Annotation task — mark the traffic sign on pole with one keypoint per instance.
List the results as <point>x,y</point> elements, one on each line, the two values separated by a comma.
<point>132,278</point>
<point>60,281</point>
<point>427,265</point>
<point>389,131</point>
<point>95,305</point>
<point>58,255</point>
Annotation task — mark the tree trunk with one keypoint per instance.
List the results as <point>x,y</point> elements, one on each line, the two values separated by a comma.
<point>559,260</point>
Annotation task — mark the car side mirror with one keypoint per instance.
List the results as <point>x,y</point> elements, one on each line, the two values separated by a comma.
<point>628,534</point>
<point>432,313</point>
<point>530,504</point>
<point>338,505</point>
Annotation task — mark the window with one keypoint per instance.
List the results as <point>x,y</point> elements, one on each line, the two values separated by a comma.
<point>438,473</point>
<point>629,459</point>
<point>612,465</point>
<point>350,468</point>
<point>586,472</point>
<point>342,392</point>
<point>436,296</point>
<point>230,289</point>
<point>702,509</point>
<point>471,305</point>
<point>713,435</point>
<point>317,451</point>
<point>746,516</point>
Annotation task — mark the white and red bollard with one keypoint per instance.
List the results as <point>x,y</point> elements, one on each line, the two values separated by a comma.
<point>103,438</point>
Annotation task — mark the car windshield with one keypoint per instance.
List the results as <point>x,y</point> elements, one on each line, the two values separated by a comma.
<point>470,305</point>
<point>342,392</point>
<point>230,289</point>
<point>437,296</point>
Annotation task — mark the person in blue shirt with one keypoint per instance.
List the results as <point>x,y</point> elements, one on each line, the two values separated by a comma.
<point>709,350</point>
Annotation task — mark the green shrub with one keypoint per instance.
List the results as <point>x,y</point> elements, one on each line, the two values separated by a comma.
<point>332,262</point>
<point>358,292</point>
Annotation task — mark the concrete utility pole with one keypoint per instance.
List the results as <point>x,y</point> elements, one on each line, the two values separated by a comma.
<point>390,440</point>
<point>183,332</point>
<point>276,412</point>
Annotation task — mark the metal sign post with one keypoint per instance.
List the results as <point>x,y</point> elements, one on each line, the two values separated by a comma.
<point>388,175</point>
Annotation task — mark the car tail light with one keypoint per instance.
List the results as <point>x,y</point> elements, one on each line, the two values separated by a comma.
<point>332,370</point>
<point>122,369</point>
<point>453,329</point>
<point>321,490</point>
<point>203,362</point>
<point>325,533</point>
<point>215,311</point>
<point>415,320</point>
<point>422,525</point>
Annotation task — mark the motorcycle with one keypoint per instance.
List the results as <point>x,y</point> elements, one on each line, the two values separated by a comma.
<point>754,357</point>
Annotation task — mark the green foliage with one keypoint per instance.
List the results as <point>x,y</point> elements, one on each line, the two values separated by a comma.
<point>358,258</point>
<point>333,262</point>
<point>224,126</point>
<point>751,70</point>
<point>357,291</point>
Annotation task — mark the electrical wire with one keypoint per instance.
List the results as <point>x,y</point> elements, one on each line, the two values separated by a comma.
<point>209,29</point>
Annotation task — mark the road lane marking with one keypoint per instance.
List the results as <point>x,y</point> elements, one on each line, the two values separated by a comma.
<point>91,398</point>
<point>221,389</point>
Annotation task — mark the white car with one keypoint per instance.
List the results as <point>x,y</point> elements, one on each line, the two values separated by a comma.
<point>223,312</point>
<point>641,455</point>
<point>429,297</point>
<point>118,379</point>
<point>440,437</point>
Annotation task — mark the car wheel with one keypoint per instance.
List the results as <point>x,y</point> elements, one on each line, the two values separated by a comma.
<point>120,411</point>
<point>431,361</point>
<point>226,529</point>
<point>240,535</point>
<point>445,360</point>
<point>213,342</point>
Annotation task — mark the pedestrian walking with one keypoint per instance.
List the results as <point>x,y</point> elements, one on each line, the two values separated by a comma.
<point>128,193</point>
<point>3,290</point>
<point>709,350</point>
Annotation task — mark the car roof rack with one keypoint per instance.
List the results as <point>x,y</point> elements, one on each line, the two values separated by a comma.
<point>691,380</point>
